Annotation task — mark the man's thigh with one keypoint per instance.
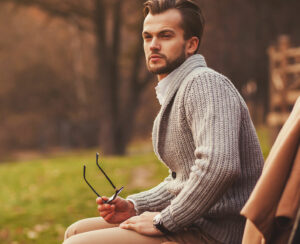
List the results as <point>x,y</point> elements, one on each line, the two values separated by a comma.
<point>97,230</point>
<point>86,225</point>
<point>114,235</point>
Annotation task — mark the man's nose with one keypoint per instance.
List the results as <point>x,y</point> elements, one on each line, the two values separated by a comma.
<point>155,45</point>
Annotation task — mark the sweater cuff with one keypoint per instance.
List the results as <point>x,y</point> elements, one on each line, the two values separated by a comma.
<point>153,201</point>
<point>168,220</point>
<point>140,203</point>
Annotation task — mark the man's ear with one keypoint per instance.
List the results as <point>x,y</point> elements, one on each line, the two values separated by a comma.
<point>192,45</point>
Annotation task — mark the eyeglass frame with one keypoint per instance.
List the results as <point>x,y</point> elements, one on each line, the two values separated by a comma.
<point>117,191</point>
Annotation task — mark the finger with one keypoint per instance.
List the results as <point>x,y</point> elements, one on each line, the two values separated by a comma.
<point>124,223</point>
<point>109,216</point>
<point>103,214</point>
<point>133,220</point>
<point>115,201</point>
<point>103,208</point>
<point>98,200</point>
<point>104,199</point>
<point>106,207</point>
<point>128,226</point>
<point>101,200</point>
<point>105,211</point>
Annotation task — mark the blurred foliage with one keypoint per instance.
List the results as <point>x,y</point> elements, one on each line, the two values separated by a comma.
<point>70,68</point>
<point>73,75</point>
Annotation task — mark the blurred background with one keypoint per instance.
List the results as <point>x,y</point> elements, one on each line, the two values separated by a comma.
<point>73,81</point>
<point>73,72</point>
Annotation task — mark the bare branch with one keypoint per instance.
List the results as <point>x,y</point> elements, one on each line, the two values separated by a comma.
<point>62,9</point>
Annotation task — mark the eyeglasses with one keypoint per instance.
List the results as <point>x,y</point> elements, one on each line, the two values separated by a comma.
<point>117,191</point>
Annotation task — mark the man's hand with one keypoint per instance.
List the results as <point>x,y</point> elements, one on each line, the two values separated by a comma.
<point>142,224</point>
<point>117,211</point>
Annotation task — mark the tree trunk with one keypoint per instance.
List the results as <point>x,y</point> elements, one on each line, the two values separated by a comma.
<point>108,78</point>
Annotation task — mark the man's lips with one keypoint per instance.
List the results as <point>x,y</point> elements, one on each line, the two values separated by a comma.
<point>155,57</point>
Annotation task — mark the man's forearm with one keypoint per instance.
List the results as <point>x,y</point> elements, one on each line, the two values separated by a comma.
<point>154,199</point>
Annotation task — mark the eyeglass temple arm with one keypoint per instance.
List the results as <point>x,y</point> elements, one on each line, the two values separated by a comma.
<point>97,156</point>
<point>84,169</point>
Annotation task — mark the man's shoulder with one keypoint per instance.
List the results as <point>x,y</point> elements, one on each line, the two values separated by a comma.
<point>205,76</point>
<point>205,80</point>
<point>205,73</point>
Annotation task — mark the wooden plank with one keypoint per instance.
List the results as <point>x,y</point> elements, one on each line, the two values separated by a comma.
<point>277,80</point>
<point>284,63</point>
<point>290,99</point>
<point>276,55</point>
<point>292,68</point>
<point>292,96</point>
<point>293,52</point>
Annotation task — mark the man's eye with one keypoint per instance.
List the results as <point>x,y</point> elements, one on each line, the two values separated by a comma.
<point>147,37</point>
<point>166,36</point>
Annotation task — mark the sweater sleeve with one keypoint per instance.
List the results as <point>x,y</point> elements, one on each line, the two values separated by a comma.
<point>213,113</point>
<point>154,199</point>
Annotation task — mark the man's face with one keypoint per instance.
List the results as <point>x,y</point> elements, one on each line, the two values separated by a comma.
<point>164,44</point>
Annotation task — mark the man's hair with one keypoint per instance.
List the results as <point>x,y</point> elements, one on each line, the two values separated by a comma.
<point>192,18</point>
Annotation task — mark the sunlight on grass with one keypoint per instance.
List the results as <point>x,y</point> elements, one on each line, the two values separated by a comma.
<point>40,198</point>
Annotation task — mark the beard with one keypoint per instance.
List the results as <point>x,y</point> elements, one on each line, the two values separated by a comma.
<point>169,66</point>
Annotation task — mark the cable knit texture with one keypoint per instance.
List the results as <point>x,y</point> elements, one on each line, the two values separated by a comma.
<point>204,133</point>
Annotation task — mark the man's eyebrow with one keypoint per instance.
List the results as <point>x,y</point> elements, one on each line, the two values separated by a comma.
<point>159,33</point>
<point>166,31</point>
<point>145,33</point>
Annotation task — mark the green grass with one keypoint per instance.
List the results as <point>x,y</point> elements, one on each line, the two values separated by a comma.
<point>40,198</point>
<point>264,135</point>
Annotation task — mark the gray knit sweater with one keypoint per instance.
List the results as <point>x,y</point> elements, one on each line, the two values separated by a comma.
<point>205,136</point>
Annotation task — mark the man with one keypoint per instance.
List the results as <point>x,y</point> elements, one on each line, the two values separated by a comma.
<point>203,133</point>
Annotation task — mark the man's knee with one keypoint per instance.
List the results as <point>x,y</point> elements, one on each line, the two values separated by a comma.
<point>73,229</point>
<point>85,225</point>
<point>71,240</point>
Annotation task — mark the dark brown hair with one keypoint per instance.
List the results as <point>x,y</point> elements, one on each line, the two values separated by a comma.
<point>192,18</point>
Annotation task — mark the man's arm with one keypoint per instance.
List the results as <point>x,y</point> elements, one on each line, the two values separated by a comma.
<point>155,199</point>
<point>121,209</point>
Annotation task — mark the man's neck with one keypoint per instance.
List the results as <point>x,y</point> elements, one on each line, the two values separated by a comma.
<point>161,76</point>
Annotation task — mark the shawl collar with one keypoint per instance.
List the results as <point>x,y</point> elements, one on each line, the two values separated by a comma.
<point>176,77</point>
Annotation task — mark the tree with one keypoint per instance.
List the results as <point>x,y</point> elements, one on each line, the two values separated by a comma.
<point>118,88</point>
<point>235,43</point>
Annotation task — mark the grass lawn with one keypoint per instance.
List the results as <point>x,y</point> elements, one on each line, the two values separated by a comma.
<point>40,198</point>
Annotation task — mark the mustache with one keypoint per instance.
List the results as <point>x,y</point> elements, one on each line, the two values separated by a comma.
<point>157,54</point>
